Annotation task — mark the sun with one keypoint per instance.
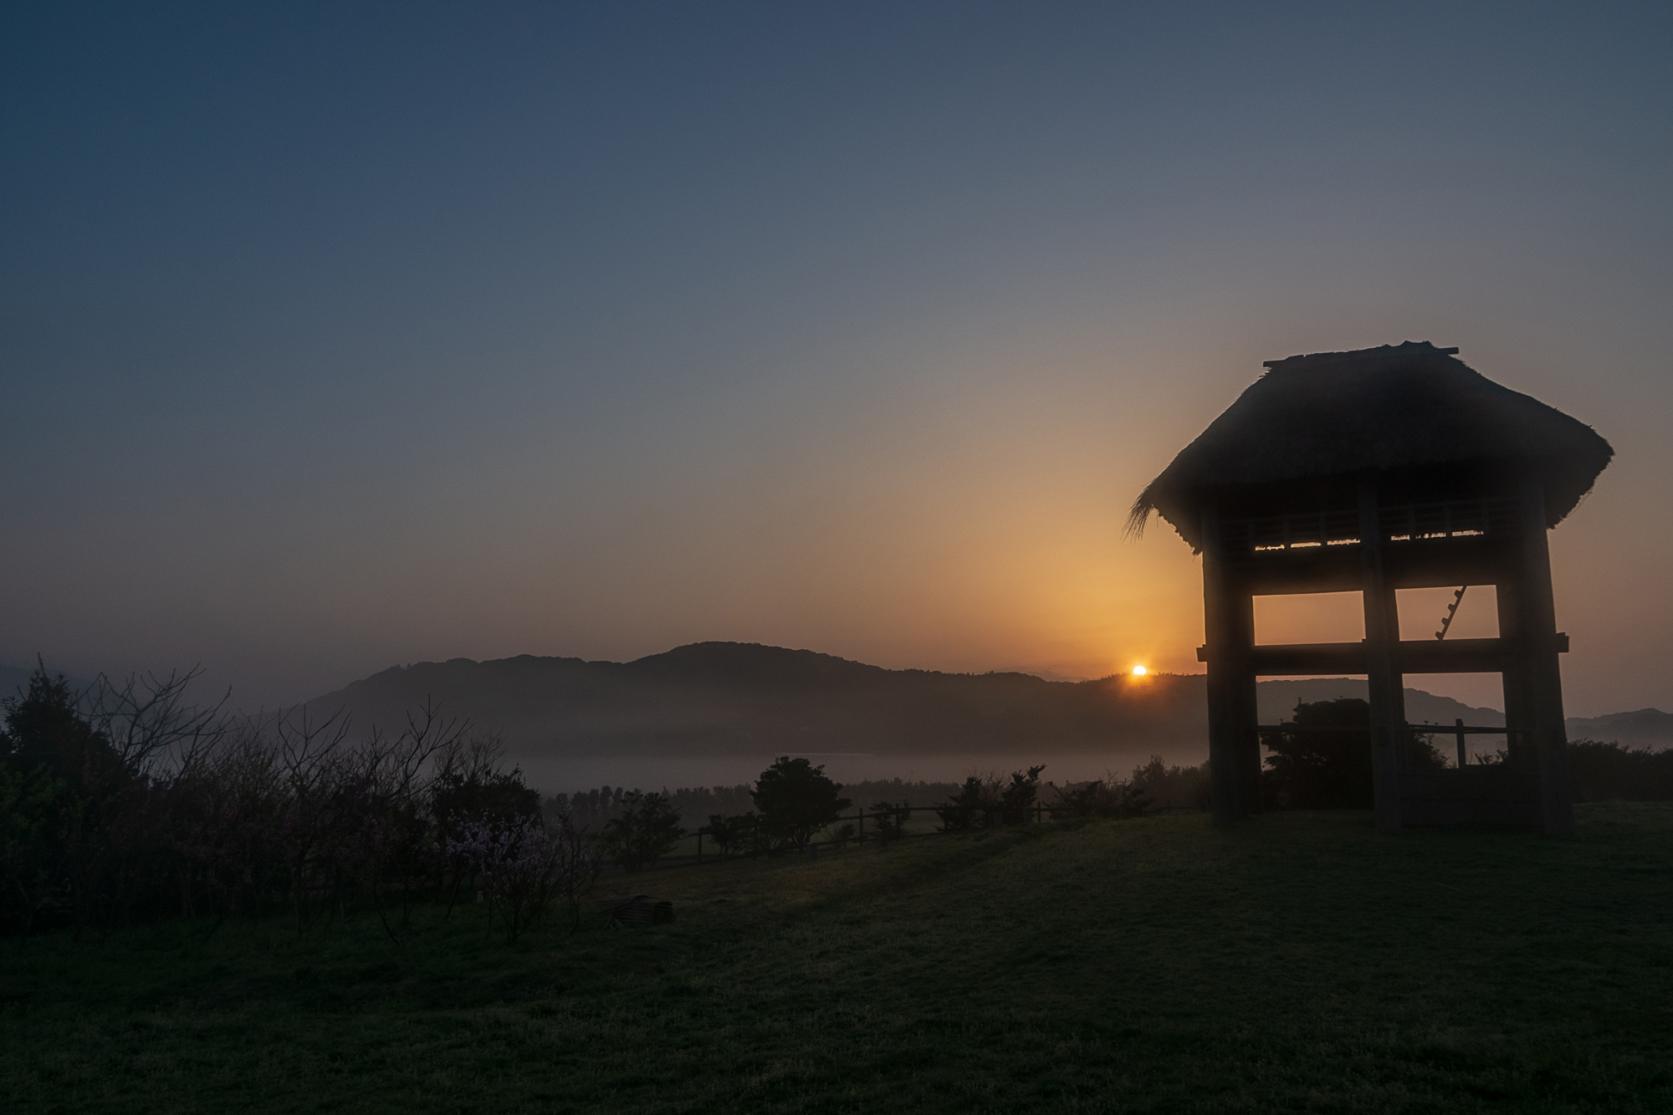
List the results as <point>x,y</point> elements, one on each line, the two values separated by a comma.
<point>1140,670</point>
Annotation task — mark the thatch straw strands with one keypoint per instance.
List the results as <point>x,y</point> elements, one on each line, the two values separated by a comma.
<point>1383,411</point>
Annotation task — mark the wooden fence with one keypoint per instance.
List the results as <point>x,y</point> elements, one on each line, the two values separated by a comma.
<point>1457,729</point>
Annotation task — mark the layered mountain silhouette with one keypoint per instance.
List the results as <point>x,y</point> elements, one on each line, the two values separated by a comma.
<point>744,698</point>
<point>739,698</point>
<point>1645,727</point>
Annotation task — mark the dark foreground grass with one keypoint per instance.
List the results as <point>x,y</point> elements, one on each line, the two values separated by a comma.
<point>1304,963</point>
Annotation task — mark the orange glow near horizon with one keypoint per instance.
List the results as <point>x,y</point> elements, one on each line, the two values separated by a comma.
<point>1140,670</point>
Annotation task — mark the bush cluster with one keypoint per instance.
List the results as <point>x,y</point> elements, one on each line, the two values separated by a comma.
<point>124,802</point>
<point>990,802</point>
<point>888,819</point>
<point>645,830</point>
<point>1613,772</point>
<point>1151,787</point>
<point>1321,758</point>
<point>794,800</point>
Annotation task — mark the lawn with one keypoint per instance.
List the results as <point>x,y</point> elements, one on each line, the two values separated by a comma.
<point>1302,963</point>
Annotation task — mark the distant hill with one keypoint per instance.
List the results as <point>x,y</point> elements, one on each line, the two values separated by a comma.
<point>1646,727</point>
<point>737,698</point>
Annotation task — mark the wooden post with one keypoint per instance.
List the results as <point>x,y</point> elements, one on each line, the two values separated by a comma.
<point>1463,757</point>
<point>862,834</point>
<point>1382,635</point>
<point>1224,707</point>
<point>1518,715</point>
<point>1248,712</point>
<point>699,845</point>
<point>1542,677</point>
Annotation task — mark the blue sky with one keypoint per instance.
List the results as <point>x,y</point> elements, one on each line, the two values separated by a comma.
<point>334,336</point>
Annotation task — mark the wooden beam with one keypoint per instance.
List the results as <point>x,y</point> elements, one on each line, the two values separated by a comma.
<point>1411,656</point>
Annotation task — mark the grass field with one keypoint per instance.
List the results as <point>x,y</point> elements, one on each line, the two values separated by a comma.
<point>1304,963</point>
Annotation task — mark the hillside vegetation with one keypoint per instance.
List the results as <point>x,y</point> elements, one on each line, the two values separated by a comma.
<point>1302,963</point>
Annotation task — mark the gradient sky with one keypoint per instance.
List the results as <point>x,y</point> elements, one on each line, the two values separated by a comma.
<point>346,335</point>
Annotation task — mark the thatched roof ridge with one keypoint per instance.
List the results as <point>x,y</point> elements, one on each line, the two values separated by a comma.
<point>1376,410</point>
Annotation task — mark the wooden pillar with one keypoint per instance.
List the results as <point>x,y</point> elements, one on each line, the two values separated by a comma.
<point>1382,636</point>
<point>1247,722</point>
<point>1542,679</point>
<point>1228,621</point>
<point>1518,716</point>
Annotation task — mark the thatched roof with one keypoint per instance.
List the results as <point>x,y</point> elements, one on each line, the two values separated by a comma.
<point>1383,410</point>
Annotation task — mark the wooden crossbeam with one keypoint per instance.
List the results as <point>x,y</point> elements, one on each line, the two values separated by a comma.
<point>1412,656</point>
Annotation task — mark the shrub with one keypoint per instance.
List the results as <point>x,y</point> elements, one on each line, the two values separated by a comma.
<point>1101,798</point>
<point>523,867</point>
<point>734,835</point>
<point>1609,771</point>
<point>968,808</point>
<point>30,887</point>
<point>986,802</point>
<point>1016,800</point>
<point>1175,787</point>
<point>644,831</point>
<point>889,821</point>
<point>1321,759</point>
<point>795,799</point>
<point>123,801</point>
<point>478,793</point>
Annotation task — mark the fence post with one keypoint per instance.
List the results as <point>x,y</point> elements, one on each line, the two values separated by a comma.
<point>1458,726</point>
<point>1039,811</point>
<point>862,836</point>
<point>699,845</point>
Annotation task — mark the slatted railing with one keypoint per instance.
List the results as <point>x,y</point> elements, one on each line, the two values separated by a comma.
<point>1410,522</point>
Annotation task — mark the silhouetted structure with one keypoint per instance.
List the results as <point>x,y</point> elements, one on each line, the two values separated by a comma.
<point>1376,470</point>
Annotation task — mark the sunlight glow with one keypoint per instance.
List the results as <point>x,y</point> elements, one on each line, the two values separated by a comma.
<point>1140,670</point>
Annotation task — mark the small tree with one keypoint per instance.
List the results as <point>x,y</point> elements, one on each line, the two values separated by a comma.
<point>889,820</point>
<point>72,792</point>
<point>1017,799</point>
<point>481,793</point>
<point>524,867</point>
<point>644,831</point>
<point>1174,787</point>
<point>733,835</point>
<point>1321,759</point>
<point>1102,798</point>
<point>795,800</point>
<point>966,809</point>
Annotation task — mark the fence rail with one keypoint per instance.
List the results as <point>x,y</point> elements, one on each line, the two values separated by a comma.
<point>1457,729</point>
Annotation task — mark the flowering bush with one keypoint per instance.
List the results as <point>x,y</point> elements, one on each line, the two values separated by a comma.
<point>521,868</point>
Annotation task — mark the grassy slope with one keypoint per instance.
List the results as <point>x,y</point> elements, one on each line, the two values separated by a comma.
<point>1304,963</point>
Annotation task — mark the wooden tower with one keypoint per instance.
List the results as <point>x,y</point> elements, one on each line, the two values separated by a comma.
<point>1372,471</point>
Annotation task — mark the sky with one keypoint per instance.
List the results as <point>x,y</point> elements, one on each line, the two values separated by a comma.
<point>346,335</point>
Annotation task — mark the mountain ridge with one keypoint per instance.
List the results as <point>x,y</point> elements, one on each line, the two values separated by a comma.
<point>735,698</point>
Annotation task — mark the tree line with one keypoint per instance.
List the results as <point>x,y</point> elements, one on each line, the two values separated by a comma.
<point>125,802</point>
